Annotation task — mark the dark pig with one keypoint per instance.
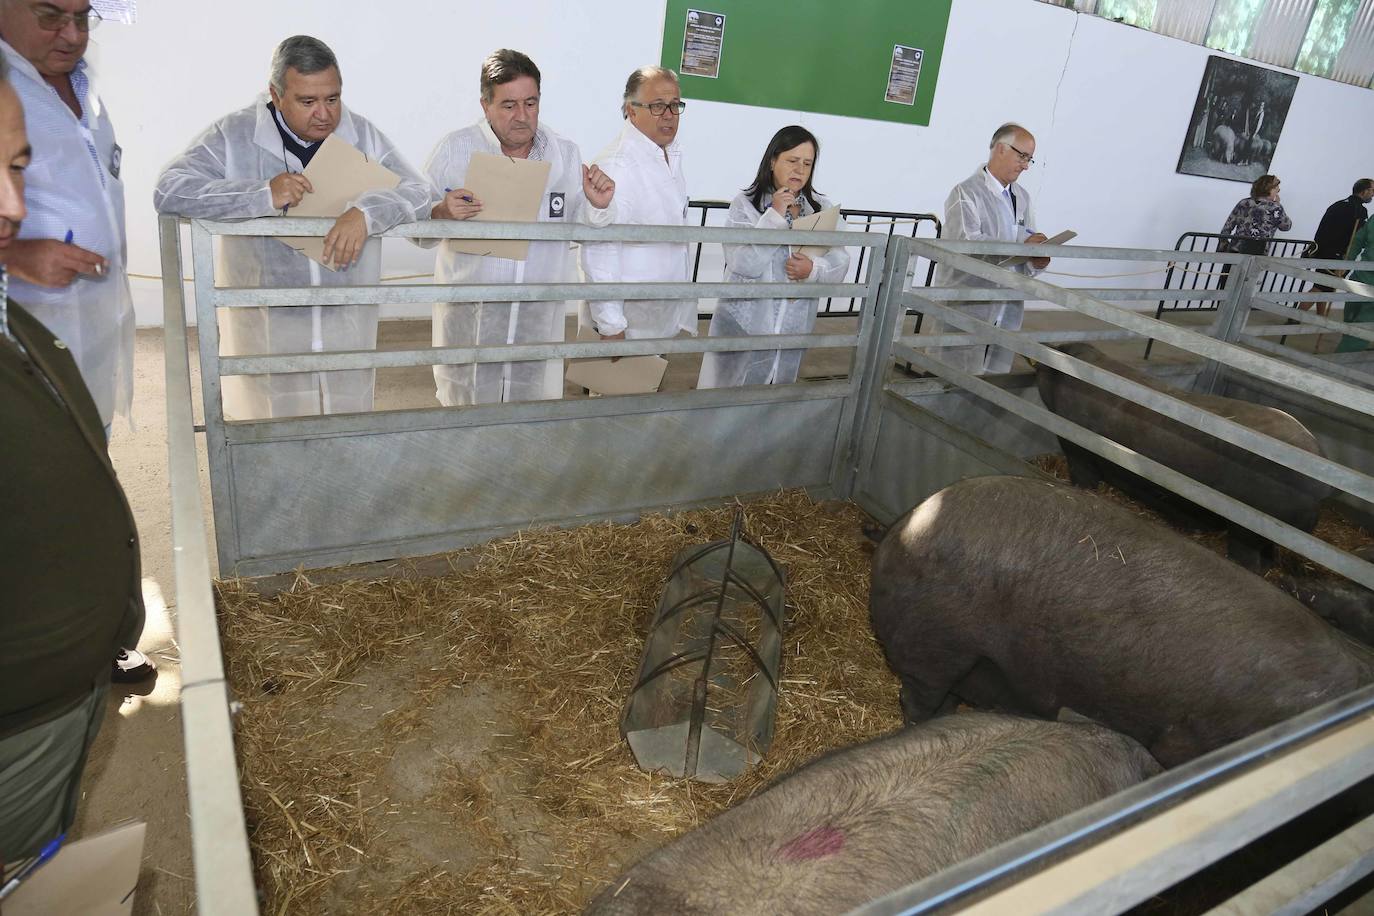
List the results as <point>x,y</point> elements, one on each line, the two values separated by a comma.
<point>870,819</point>
<point>1032,596</point>
<point>1276,490</point>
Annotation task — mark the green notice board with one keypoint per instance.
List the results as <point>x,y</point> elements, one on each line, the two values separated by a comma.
<point>866,59</point>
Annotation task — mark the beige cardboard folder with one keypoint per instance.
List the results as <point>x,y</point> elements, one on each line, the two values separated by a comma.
<point>511,191</point>
<point>339,174</point>
<point>823,221</point>
<point>1059,239</point>
<point>94,876</point>
<point>627,375</point>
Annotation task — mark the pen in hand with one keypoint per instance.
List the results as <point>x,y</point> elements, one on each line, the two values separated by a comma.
<point>465,197</point>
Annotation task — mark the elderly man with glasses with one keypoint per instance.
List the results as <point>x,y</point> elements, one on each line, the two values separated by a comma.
<point>645,161</point>
<point>990,206</point>
<point>67,265</point>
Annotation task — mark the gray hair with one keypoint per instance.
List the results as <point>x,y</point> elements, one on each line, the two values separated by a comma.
<point>503,66</point>
<point>1006,133</point>
<point>639,78</point>
<point>303,54</point>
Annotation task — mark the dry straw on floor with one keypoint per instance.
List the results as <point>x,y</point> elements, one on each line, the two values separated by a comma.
<point>451,744</point>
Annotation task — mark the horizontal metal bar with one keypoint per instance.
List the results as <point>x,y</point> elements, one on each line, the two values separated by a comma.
<point>1308,318</point>
<point>1319,263</point>
<point>1290,267</point>
<point>446,356</point>
<point>1284,330</point>
<point>1307,882</point>
<point>1279,532</point>
<point>964,340</point>
<point>549,231</point>
<point>1199,344</point>
<point>425,418</point>
<point>424,293</point>
<point>1315,363</point>
<point>1279,296</point>
<point>982,294</point>
<point>1086,252</point>
<point>1276,450</point>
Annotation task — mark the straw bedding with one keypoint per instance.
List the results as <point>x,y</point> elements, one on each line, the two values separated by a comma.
<point>451,743</point>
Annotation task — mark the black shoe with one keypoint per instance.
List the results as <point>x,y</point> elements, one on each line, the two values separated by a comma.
<point>132,666</point>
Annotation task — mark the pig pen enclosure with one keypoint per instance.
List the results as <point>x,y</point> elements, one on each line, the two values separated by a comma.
<point>446,739</point>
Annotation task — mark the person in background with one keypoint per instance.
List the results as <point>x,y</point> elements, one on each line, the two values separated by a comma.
<point>1253,222</point>
<point>248,164</point>
<point>782,191</point>
<point>1334,233</point>
<point>645,161</point>
<point>1359,311</point>
<point>510,95</point>
<point>68,553</point>
<point>68,265</point>
<point>991,206</point>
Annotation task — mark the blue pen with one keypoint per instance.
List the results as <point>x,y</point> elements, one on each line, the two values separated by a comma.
<point>70,235</point>
<point>465,197</point>
<point>48,852</point>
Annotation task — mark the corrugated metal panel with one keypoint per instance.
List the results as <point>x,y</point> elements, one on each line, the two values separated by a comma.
<point>1355,63</point>
<point>1139,13</point>
<point>1326,36</point>
<point>1279,31</point>
<point>1185,19</point>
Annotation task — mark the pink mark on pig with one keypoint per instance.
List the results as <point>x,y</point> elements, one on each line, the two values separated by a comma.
<point>812,845</point>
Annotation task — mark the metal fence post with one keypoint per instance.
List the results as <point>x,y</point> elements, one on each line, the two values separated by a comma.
<point>872,362</point>
<point>1230,323</point>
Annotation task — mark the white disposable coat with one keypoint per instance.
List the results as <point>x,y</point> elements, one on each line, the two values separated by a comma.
<point>976,210</point>
<point>224,174</point>
<point>468,324</point>
<point>733,317</point>
<point>71,186</point>
<point>648,191</point>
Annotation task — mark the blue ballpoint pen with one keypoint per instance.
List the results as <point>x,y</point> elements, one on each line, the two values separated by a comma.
<point>465,197</point>
<point>70,235</point>
<point>46,854</point>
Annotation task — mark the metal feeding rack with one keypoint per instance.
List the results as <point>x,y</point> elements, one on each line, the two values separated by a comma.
<point>704,702</point>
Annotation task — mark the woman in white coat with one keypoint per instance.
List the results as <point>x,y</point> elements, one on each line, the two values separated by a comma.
<point>782,191</point>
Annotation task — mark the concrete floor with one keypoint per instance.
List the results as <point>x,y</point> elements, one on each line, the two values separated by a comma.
<point>136,769</point>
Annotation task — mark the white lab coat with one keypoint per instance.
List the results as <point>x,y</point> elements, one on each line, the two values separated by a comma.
<point>224,174</point>
<point>648,191</point>
<point>468,324</point>
<point>976,210</point>
<point>733,317</point>
<point>71,186</point>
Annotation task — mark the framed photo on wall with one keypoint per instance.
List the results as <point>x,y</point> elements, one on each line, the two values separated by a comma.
<point>1237,120</point>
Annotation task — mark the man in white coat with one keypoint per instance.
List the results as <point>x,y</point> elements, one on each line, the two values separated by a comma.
<point>509,126</point>
<point>646,163</point>
<point>248,164</point>
<point>991,206</point>
<point>68,265</point>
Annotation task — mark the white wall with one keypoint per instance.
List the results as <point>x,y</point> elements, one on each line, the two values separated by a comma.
<point>1109,105</point>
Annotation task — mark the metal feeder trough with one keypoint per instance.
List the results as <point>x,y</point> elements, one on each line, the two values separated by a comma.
<point>704,702</point>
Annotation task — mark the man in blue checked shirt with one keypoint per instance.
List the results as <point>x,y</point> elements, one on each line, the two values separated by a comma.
<point>67,266</point>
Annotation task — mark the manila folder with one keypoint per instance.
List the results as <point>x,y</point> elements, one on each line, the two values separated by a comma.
<point>511,191</point>
<point>826,220</point>
<point>339,174</point>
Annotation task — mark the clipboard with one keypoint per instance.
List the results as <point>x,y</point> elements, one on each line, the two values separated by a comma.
<point>511,191</point>
<point>339,173</point>
<point>827,220</point>
<point>94,876</point>
<point>1059,239</point>
<point>627,375</point>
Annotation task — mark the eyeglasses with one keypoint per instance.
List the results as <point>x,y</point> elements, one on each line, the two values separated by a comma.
<point>658,108</point>
<point>1024,157</point>
<point>52,20</point>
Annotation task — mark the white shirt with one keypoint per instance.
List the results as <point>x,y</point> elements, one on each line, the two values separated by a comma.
<point>72,187</point>
<point>649,190</point>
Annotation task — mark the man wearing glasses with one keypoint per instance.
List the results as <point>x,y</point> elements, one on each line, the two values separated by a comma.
<point>645,162</point>
<point>67,264</point>
<point>990,206</point>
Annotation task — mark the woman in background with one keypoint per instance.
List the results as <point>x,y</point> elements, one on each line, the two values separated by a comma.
<point>1253,222</point>
<point>781,193</point>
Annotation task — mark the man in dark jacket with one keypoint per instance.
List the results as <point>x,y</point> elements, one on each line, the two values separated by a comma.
<point>68,555</point>
<point>1340,221</point>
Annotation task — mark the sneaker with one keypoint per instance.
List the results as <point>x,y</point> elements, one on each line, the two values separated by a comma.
<point>132,666</point>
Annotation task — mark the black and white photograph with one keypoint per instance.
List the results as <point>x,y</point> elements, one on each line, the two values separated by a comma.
<point>1236,121</point>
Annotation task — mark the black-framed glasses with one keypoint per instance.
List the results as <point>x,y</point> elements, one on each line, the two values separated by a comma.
<point>658,108</point>
<point>51,19</point>
<point>1024,157</point>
